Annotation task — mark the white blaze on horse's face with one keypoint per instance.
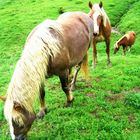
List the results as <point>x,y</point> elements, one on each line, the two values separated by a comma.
<point>11,130</point>
<point>96,22</point>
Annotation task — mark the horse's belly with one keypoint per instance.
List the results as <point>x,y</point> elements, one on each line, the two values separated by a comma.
<point>59,63</point>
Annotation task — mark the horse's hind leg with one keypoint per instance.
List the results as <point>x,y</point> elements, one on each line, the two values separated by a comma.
<point>43,109</point>
<point>124,50</point>
<point>72,84</point>
<point>65,86</point>
<point>108,52</point>
<point>84,66</point>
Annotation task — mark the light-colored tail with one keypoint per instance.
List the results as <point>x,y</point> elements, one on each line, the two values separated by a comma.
<point>84,66</point>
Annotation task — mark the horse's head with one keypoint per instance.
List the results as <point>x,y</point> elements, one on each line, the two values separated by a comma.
<point>19,119</point>
<point>116,47</point>
<point>97,16</point>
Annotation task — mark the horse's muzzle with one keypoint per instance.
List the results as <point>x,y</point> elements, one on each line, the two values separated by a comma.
<point>95,34</point>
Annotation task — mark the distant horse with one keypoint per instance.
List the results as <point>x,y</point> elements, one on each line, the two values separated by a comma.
<point>127,40</point>
<point>52,48</point>
<point>102,29</point>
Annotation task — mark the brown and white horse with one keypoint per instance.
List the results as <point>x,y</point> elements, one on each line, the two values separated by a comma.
<point>102,29</point>
<point>127,40</point>
<point>52,48</point>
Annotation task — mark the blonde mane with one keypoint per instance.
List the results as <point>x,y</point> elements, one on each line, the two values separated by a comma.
<point>31,68</point>
<point>102,12</point>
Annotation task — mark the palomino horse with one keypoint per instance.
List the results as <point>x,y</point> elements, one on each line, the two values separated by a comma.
<point>52,48</point>
<point>102,29</point>
<point>127,40</point>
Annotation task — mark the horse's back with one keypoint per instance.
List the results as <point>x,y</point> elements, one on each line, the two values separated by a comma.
<point>132,36</point>
<point>78,31</point>
<point>72,31</point>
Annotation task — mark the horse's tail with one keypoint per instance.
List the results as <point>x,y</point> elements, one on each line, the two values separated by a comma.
<point>84,66</point>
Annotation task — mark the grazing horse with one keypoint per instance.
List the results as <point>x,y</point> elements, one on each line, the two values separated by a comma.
<point>52,48</point>
<point>102,29</point>
<point>127,40</point>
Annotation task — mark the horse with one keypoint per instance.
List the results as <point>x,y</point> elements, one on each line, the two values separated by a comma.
<point>126,40</point>
<point>102,29</point>
<point>52,48</point>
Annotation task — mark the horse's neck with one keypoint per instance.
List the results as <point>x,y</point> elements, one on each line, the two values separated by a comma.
<point>105,17</point>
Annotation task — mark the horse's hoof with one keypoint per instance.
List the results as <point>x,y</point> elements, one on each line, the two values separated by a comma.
<point>109,64</point>
<point>69,103</point>
<point>41,114</point>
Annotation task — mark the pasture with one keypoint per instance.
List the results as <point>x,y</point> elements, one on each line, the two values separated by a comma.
<point>106,106</point>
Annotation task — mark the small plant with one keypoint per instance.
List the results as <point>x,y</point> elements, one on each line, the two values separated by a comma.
<point>61,10</point>
<point>1,114</point>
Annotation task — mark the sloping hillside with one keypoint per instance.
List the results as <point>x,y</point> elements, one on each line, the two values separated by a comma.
<point>107,105</point>
<point>130,21</point>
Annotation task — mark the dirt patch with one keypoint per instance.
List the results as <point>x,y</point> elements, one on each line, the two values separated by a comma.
<point>83,131</point>
<point>91,95</point>
<point>136,89</point>
<point>131,118</point>
<point>114,97</point>
<point>96,112</point>
<point>2,123</point>
<point>124,92</point>
<point>97,79</point>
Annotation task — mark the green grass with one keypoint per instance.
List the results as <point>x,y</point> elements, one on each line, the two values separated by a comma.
<point>106,106</point>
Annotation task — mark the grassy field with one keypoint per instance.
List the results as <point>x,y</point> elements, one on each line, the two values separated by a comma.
<point>107,105</point>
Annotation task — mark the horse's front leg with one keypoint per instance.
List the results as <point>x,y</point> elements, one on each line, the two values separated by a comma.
<point>43,109</point>
<point>65,86</point>
<point>108,51</point>
<point>94,55</point>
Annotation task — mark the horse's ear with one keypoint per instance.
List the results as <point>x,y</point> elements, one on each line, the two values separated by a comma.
<point>17,107</point>
<point>101,4</point>
<point>90,4</point>
<point>3,98</point>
